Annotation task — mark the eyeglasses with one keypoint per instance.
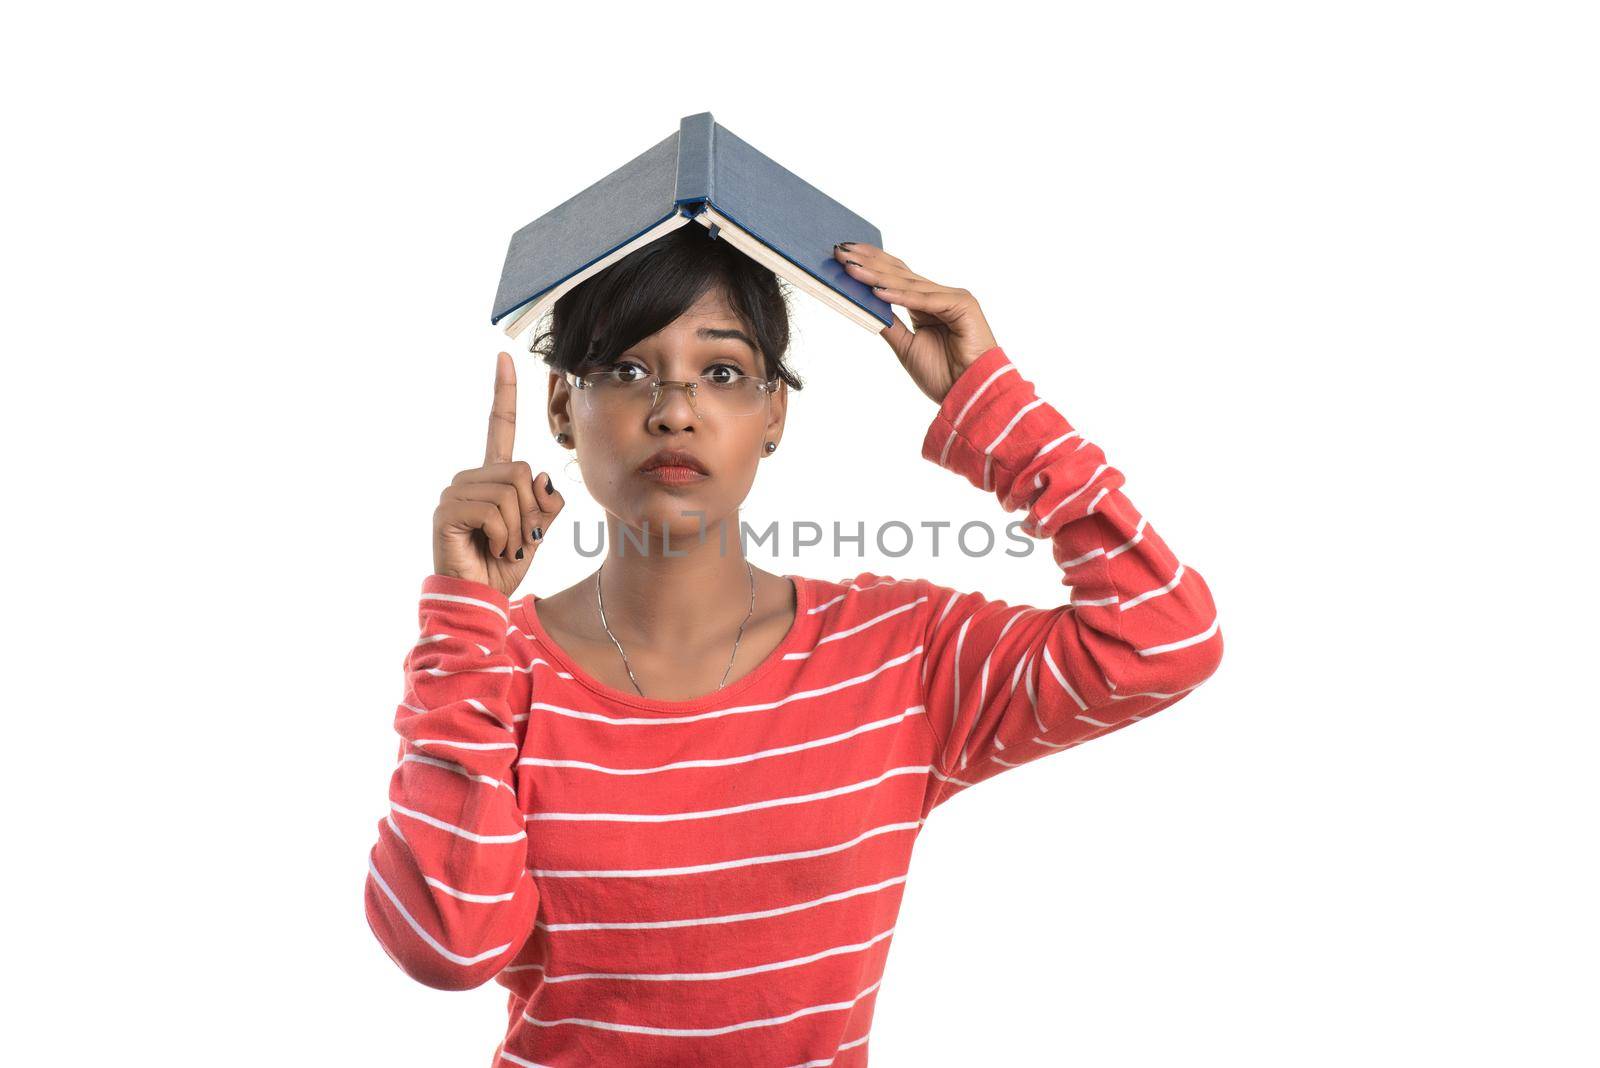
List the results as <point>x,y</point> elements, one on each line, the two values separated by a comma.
<point>627,387</point>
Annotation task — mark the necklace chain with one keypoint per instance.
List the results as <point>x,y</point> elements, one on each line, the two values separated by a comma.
<point>600,602</point>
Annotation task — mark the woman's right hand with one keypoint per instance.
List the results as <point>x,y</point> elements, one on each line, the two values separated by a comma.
<point>492,519</point>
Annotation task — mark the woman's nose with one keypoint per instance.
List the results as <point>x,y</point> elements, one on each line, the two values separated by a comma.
<point>674,403</point>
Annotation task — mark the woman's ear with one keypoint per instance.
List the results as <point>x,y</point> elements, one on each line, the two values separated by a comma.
<point>559,407</point>
<point>779,411</point>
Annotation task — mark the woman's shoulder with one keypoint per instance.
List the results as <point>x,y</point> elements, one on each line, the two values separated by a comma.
<point>867,595</point>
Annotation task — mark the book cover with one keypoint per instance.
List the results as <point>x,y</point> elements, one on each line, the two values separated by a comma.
<point>702,173</point>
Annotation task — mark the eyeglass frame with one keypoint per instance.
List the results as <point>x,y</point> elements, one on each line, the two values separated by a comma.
<point>767,386</point>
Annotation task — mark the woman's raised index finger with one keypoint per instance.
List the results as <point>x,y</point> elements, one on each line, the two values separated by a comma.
<point>503,415</point>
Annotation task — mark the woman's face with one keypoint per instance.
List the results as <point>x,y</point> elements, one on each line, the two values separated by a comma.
<point>611,445</point>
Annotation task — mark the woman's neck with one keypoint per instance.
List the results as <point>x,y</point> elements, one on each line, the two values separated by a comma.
<point>688,592</point>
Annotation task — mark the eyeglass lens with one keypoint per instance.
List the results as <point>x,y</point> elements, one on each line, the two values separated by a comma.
<point>740,395</point>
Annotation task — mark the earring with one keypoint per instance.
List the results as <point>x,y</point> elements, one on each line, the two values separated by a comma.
<point>561,439</point>
<point>770,446</point>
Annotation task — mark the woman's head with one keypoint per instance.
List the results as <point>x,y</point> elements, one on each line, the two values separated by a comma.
<point>643,292</point>
<point>676,308</point>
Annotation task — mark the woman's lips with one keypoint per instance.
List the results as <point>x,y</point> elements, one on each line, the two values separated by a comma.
<point>674,474</point>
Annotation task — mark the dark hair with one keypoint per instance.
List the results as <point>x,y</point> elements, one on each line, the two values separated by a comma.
<point>601,317</point>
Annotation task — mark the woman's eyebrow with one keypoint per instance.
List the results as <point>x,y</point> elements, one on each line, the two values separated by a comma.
<point>711,333</point>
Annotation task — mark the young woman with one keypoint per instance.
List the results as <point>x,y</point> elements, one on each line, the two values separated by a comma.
<point>671,808</point>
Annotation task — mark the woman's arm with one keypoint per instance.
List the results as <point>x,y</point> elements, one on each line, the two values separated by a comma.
<point>448,893</point>
<point>1006,684</point>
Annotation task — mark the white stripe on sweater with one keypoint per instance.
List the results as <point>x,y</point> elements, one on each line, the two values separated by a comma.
<point>724,865</point>
<point>1015,419</point>
<point>484,899</point>
<point>733,917</point>
<point>764,706</point>
<point>450,765</point>
<point>859,627</point>
<point>1181,643</point>
<point>1003,369</point>
<point>1157,592</point>
<point>433,943</point>
<point>730,810</point>
<point>1070,497</point>
<point>723,762</point>
<point>703,1032</point>
<point>455,598</point>
<point>729,973</point>
<point>1062,679</point>
<point>459,832</point>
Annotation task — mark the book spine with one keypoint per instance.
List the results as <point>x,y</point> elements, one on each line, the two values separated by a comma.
<point>695,134</point>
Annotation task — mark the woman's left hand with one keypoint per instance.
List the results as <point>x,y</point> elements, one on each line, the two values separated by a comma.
<point>951,332</point>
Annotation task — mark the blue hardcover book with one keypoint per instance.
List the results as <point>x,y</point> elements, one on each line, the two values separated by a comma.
<point>703,174</point>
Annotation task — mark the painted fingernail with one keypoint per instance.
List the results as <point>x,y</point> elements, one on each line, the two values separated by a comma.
<point>537,533</point>
<point>852,263</point>
<point>549,484</point>
<point>845,244</point>
<point>880,287</point>
<point>519,554</point>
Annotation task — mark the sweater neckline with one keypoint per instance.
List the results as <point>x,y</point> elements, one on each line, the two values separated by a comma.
<point>791,639</point>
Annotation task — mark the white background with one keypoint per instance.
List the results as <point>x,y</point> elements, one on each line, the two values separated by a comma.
<point>1319,278</point>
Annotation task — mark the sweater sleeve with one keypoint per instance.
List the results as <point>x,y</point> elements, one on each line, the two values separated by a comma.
<point>448,892</point>
<point>1006,684</point>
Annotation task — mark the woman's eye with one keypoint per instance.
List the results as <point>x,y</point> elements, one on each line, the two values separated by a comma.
<point>722,374</point>
<point>628,372</point>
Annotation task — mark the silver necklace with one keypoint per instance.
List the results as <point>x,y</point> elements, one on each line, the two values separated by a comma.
<point>600,602</point>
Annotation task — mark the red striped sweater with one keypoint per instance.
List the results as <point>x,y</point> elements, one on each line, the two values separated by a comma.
<point>715,881</point>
